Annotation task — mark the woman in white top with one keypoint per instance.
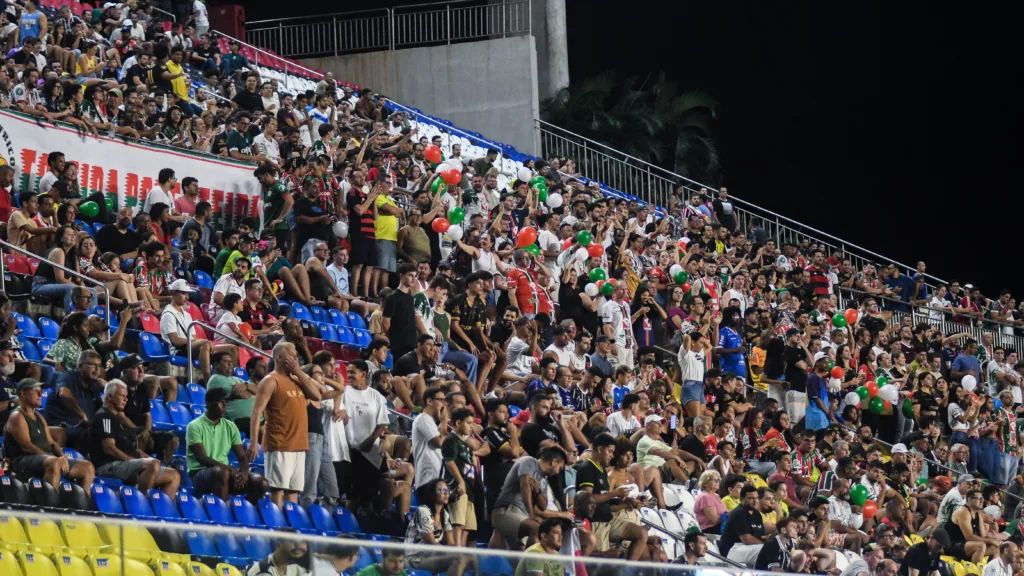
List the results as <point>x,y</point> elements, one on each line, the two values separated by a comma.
<point>486,260</point>
<point>230,323</point>
<point>938,305</point>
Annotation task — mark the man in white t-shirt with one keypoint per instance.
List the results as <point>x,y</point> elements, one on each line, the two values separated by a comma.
<point>233,283</point>
<point>161,194</point>
<point>265,144</point>
<point>617,324</point>
<point>623,421</point>
<point>367,423</point>
<point>560,348</point>
<point>521,362</point>
<point>427,437</point>
<point>201,16</point>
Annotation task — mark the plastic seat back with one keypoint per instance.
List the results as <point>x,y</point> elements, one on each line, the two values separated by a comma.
<point>245,513</point>
<point>338,318</point>
<point>356,321</point>
<point>191,508</point>
<point>42,494</point>
<point>256,548</point>
<point>322,519</point>
<point>163,505</point>
<point>80,534</point>
<point>161,418</point>
<point>228,546</point>
<point>328,332</point>
<point>135,502</point>
<point>28,326</point>
<point>33,564</point>
<point>50,329</point>
<point>150,322</point>
<point>319,314</point>
<point>106,500</point>
<point>180,415</point>
<point>152,349</point>
<point>203,280</point>
<point>217,510</point>
<point>346,520</point>
<point>297,517</point>
<point>197,393</point>
<point>271,514</point>
<point>300,312</point>
<point>44,533</point>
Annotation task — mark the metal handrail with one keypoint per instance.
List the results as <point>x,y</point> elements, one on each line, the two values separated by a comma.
<point>252,23</point>
<point>236,341</point>
<point>65,269</point>
<point>922,306</point>
<point>173,17</point>
<point>259,50</point>
<point>681,539</point>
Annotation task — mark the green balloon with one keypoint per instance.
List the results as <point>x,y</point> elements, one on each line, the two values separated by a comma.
<point>110,204</point>
<point>839,320</point>
<point>881,381</point>
<point>598,274</point>
<point>858,495</point>
<point>831,365</point>
<point>438,184</point>
<point>543,195</point>
<point>433,165</point>
<point>537,181</point>
<point>533,249</point>
<point>583,238</point>
<point>908,409</point>
<point>876,405</point>
<point>680,278</point>
<point>862,391</point>
<point>89,209</point>
<point>456,215</point>
<point>607,288</point>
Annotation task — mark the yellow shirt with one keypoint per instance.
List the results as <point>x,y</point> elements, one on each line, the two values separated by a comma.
<point>757,358</point>
<point>385,226</point>
<point>730,503</point>
<point>180,85</point>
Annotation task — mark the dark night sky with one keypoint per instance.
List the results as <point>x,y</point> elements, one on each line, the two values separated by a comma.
<point>885,124</point>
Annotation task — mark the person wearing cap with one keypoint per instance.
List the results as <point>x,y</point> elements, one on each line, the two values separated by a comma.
<point>130,465</point>
<point>652,452</point>
<point>232,282</point>
<point>954,499</point>
<point>922,559</point>
<point>599,358</point>
<point>8,385</point>
<point>174,320</point>
<point>244,250</point>
<point>31,448</point>
<point>869,560</point>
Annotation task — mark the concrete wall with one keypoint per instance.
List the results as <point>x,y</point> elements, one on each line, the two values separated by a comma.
<point>488,87</point>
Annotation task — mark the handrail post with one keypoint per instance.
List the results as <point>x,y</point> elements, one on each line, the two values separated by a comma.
<point>334,32</point>
<point>503,26</point>
<point>448,23</point>
<point>280,38</point>
<point>235,341</point>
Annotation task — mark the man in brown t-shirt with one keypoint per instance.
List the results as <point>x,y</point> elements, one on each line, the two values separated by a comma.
<point>281,397</point>
<point>22,231</point>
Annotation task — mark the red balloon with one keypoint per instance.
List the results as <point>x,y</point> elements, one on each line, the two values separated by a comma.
<point>837,372</point>
<point>245,329</point>
<point>451,177</point>
<point>872,389</point>
<point>595,250</point>
<point>600,283</point>
<point>613,281</point>
<point>851,316</point>
<point>440,225</point>
<point>526,237</point>
<point>685,287</point>
<point>432,154</point>
<point>886,404</point>
<point>870,509</point>
<point>566,243</point>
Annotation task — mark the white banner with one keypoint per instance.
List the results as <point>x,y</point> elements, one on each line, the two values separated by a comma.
<point>125,171</point>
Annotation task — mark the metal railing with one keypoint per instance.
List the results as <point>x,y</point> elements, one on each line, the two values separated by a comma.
<point>3,281</point>
<point>655,185</point>
<point>392,28</point>
<point>290,68</point>
<point>681,538</point>
<point>230,337</point>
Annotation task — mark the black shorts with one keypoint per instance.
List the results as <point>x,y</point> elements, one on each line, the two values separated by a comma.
<point>367,489</point>
<point>343,473</point>
<point>364,250</point>
<point>957,551</point>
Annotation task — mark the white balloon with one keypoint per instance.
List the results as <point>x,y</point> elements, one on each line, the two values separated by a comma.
<point>889,392</point>
<point>442,167</point>
<point>835,385</point>
<point>455,232</point>
<point>340,229</point>
<point>969,383</point>
<point>454,163</point>
<point>675,269</point>
<point>524,174</point>
<point>582,255</point>
<point>554,200</point>
<point>852,399</point>
<point>591,289</point>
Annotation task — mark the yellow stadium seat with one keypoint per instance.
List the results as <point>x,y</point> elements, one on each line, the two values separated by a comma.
<point>68,565</point>
<point>958,568</point>
<point>227,570</point>
<point>9,564</point>
<point>36,564</point>
<point>199,569</point>
<point>168,568</point>
<point>912,539</point>
<point>83,539</point>
<point>12,534</point>
<point>44,535</point>
<point>138,544</point>
<point>972,568</point>
<point>110,565</point>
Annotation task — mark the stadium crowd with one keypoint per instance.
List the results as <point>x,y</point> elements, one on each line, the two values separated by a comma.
<point>547,359</point>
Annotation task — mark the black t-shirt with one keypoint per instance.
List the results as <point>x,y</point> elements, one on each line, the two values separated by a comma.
<point>693,445</point>
<point>593,476</point>
<point>138,404</point>
<point>918,557</point>
<point>157,80</point>
<point>8,391</point>
<point>136,71</point>
<point>220,144</point>
<point>251,101</point>
<point>796,376</point>
<point>311,208</point>
<point>742,520</point>
<point>874,324</point>
<point>105,424</point>
<point>209,52</point>
<point>110,239</point>
<point>409,363</point>
<point>772,555</point>
<point>533,434</point>
<point>495,466</point>
<point>402,312</point>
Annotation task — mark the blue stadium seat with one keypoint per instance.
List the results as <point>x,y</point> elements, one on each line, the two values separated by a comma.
<point>297,518</point>
<point>109,482</point>
<point>73,454</point>
<point>322,520</point>
<point>203,280</point>
<point>284,310</point>
<point>245,513</point>
<point>49,328</point>
<point>44,347</point>
<point>184,395</point>
<point>161,418</point>
<point>328,332</point>
<point>241,374</point>
<point>135,503</point>
<point>197,393</point>
<point>319,314</point>
<point>178,463</point>
<point>356,321</point>
<point>229,548</point>
<point>198,411</point>
<point>200,543</point>
<point>495,566</point>
<point>389,362</point>
<point>363,337</point>
<point>163,505</point>
<point>363,560</point>
<point>218,511</point>
<point>152,348</point>
<point>346,336</point>
<point>28,327</point>
<point>271,514</point>
<point>191,509</point>
<point>256,548</point>
<point>338,318</point>
<point>45,398</point>
<point>300,312</point>
<point>180,415</point>
<point>346,521</point>
<point>106,500</point>
<point>29,349</point>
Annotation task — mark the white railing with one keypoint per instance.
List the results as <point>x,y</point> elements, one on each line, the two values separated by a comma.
<point>391,28</point>
<point>212,330</point>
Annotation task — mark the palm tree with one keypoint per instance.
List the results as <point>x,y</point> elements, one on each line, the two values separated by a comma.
<point>650,120</point>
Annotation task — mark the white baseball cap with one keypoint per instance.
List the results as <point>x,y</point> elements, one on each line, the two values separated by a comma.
<point>653,418</point>
<point>180,285</point>
<point>899,449</point>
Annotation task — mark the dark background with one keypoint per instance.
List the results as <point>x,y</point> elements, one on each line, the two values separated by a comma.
<point>883,123</point>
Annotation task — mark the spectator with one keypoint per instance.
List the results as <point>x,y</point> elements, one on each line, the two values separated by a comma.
<point>71,341</point>
<point>431,524</point>
<point>209,439</point>
<point>319,475</point>
<point>118,456</point>
<point>592,477</point>
<point>76,398</point>
<point>517,511</point>
<point>550,542</point>
<point>743,535</point>
<point>174,322</point>
<point>709,508</point>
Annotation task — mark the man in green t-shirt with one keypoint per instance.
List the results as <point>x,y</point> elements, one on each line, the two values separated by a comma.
<point>246,243</point>
<point>229,242</point>
<point>277,203</point>
<point>240,395</point>
<point>208,440</point>
<point>460,474</point>
<point>240,140</point>
<point>392,563</point>
<point>550,534</point>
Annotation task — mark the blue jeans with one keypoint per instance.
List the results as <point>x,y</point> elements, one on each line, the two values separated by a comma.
<point>319,471</point>
<point>693,391</point>
<point>989,464</point>
<point>974,461</point>
<point>462,360</point>
<point>40,287</point>
<point>1008,465</point>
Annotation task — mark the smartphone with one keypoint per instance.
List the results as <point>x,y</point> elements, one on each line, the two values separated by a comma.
<point>673,422</point>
